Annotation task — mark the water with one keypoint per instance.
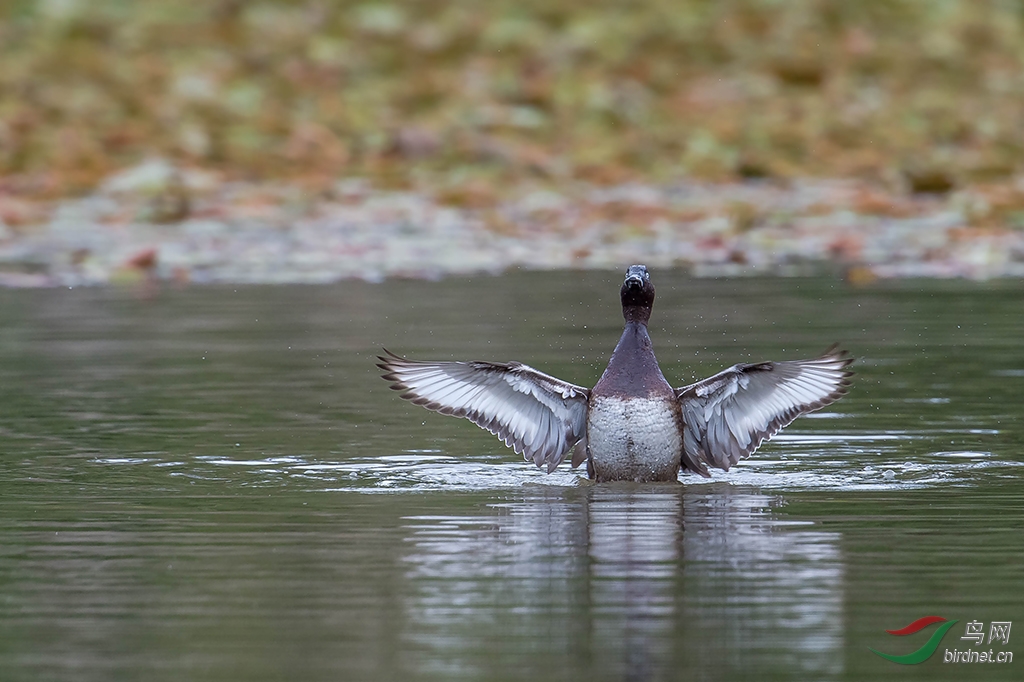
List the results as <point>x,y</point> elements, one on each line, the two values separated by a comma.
<point>213,484</point>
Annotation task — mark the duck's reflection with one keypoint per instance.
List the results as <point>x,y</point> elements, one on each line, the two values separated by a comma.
<point>634,556</point>
<point>623,581</point>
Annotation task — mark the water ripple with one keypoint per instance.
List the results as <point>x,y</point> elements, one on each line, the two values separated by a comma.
<point>836,467</point>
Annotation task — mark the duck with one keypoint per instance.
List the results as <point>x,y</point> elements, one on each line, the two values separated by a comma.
<point>632,425</point>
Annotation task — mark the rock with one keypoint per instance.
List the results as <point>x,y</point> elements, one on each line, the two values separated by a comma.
<point>271,232</point>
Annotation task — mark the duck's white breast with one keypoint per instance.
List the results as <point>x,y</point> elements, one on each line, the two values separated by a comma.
<point>634,439</point>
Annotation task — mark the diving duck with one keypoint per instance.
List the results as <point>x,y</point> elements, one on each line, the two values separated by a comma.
<point>632,425</point>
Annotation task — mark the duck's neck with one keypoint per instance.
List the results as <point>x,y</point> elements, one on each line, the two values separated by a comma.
<point>637,314</point>
<point>633,369</point>
<point>634,340</point>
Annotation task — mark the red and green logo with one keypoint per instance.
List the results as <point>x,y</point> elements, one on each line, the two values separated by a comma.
<point>922,654</point>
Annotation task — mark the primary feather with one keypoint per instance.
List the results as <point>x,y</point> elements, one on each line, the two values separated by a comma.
<point>726,417</point>
<point>537,415</point>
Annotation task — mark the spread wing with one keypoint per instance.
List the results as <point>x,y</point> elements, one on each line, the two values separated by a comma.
<point>728,416</point>
<point>535,414</point>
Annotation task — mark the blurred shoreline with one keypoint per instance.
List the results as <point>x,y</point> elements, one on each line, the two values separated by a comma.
<point>308,141</point>
<point>161,222</point>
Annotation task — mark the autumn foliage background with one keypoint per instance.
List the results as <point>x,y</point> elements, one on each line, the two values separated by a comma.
<point>469,98</point>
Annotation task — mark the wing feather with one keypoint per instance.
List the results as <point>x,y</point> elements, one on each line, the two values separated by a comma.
<point>726,417</point>
<point>535,414</point>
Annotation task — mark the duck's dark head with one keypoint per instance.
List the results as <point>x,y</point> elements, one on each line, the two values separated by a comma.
<point>637,294</point>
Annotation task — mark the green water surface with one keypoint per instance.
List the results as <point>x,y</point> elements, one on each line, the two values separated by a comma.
<point>213,484</point>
